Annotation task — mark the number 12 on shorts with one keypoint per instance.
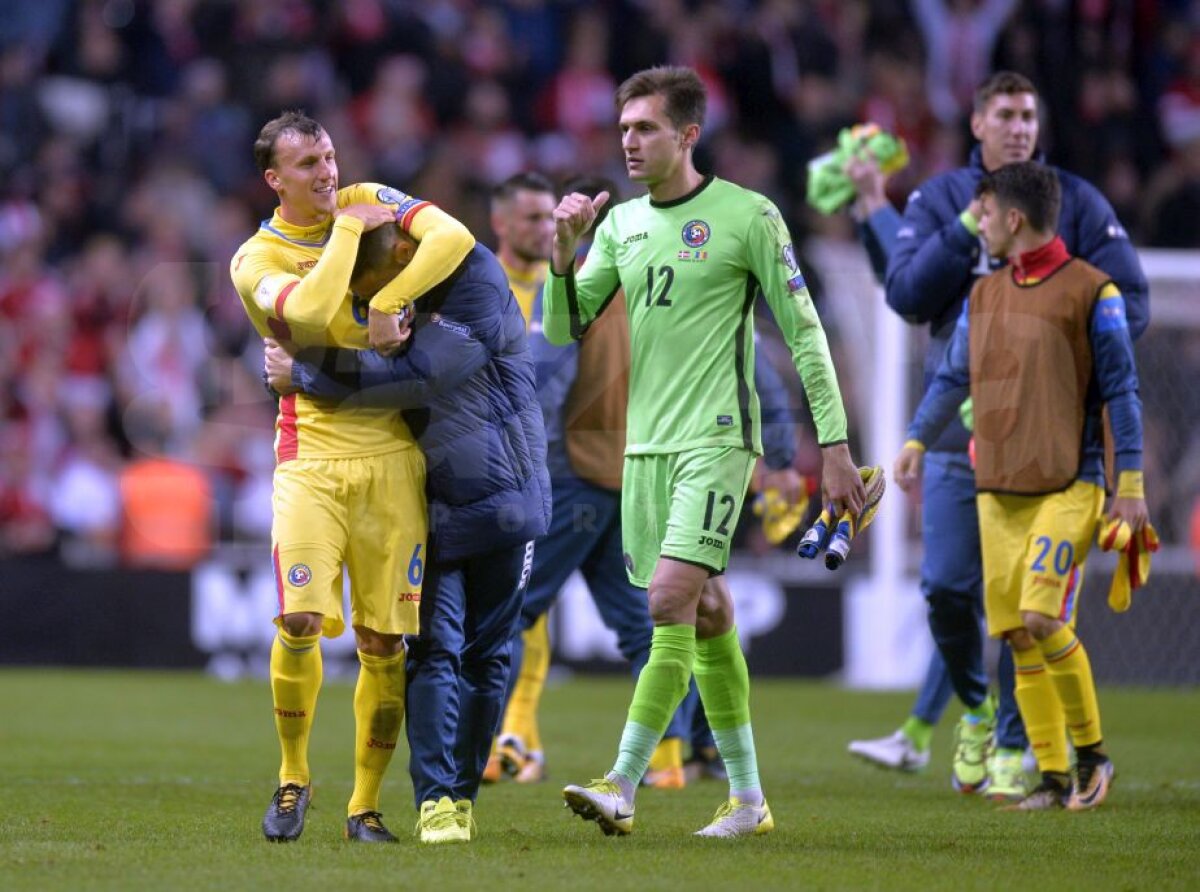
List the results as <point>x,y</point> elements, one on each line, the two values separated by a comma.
<point>723,506</point>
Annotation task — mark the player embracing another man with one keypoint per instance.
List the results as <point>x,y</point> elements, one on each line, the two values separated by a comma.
<point>466,385</point>
<point>349,483</point>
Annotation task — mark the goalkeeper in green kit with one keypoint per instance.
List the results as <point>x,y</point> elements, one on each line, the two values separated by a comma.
<point>691,257</point>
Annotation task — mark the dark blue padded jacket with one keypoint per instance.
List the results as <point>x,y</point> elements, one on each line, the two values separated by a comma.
<point>935,260</point>
<point>467,386</point>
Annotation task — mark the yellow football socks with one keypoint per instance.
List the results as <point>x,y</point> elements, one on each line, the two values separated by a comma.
<point>520,719</point>
<point>668,754</point>
<point>378,716</point>
<point>295,680</point>
<point>1041,710</point>
<point>1071,671</point>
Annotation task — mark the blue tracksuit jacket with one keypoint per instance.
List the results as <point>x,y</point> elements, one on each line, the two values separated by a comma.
<point>467,385</point>
<point>936,260</point>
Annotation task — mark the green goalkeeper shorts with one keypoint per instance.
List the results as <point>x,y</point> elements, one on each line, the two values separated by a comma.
<point>682,505</point>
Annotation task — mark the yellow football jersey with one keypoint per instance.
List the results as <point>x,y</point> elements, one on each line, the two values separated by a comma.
<point>293,282</point>
<point>525,286</point>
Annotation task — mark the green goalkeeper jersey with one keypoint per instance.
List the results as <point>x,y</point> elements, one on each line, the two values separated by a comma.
<point>691,269</point>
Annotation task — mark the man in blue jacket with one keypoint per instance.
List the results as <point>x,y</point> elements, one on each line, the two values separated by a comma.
<point>466,384</point>
<point>936,258</point>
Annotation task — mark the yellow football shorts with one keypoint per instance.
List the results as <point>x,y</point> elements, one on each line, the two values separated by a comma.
<point>1034,549</point>
<point>368,513</point>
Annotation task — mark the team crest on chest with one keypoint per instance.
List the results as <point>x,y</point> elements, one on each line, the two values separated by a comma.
<point>696,233</point>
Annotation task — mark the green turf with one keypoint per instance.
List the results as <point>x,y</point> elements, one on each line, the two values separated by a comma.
<point>158,781</point>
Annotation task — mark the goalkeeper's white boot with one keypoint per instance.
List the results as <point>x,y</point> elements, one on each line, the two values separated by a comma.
<point>602,801</point>
<point>737,818</point>
<point>894,751</point>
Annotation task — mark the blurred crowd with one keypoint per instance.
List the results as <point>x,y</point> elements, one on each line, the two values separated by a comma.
<point>129,377</point>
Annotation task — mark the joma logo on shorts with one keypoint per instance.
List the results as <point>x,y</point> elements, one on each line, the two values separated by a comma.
<point>291,713</point>
<point>380,744</point>
<point>710,541</point>
<point>408,596</point>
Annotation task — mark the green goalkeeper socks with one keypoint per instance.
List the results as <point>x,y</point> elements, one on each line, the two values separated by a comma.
<point>736,746</point>
<point>919,732</point>
<point>723,680</point>
<point>660,687</point>
<point>633,755</point>
<point>724,683</point>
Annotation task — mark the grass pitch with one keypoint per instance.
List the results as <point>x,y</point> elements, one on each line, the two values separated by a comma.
<point>158,781</point>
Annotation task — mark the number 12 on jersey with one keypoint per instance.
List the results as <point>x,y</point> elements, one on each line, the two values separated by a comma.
<point>666,277</point>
